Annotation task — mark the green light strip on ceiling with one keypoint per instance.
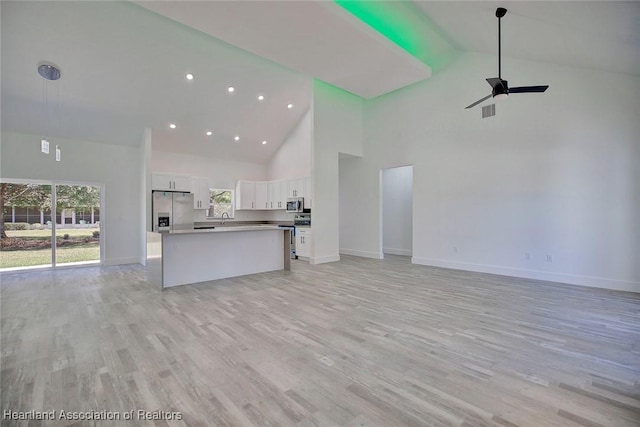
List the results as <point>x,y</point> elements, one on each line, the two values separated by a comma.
<point>389,20</point>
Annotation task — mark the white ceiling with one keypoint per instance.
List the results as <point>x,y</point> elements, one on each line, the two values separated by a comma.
<point>123,65</point>
<point>316,38</point>
<point>123,69</point>
<point>601,35</point>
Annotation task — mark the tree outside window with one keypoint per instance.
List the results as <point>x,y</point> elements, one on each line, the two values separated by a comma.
<point>220,201</point>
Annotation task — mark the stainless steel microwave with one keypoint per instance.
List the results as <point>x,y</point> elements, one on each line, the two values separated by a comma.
<point>295,205</point>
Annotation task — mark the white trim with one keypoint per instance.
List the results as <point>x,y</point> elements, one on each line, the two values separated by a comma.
<point>364,254</point>
<point>324,259</point>
<point>11,270</point>
<point>396,251</point>
<point>26,269</point>
<point>122,261</point>
<point>379,254</point>
<point>572,279</point>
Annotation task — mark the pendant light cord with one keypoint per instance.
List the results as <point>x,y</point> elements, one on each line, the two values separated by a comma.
<point>44,110</point>
<point>58,106</point>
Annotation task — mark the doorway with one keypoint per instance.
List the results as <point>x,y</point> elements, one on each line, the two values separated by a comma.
<point>397,211</point>
<point>45,224</point>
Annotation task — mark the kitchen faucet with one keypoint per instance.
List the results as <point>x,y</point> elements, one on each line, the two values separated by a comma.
<point>222,217</point>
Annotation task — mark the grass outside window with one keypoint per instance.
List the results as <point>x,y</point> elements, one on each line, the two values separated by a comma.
<point>25,248</point>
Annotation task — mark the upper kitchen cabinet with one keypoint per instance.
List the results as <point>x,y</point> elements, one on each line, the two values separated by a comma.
<point>200,190</point>
<point>307,192</point>
<point>262,195</point>
<point>277,194</point>
<point>301,187</point>
<point>268,195</point>
<point>296,188</point>
<point>246,195</point>
<point>170,182</point>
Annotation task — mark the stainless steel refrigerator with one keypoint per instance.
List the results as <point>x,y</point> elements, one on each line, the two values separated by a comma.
<point>172,210</point>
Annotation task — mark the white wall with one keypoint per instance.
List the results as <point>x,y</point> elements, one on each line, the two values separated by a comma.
<point>145,188</point>
<point>116,167</point>
<point>221,174</point>
<point>397,208</point>
<point>336,128</point>
<point>293,158</point>
<point>551,174</point>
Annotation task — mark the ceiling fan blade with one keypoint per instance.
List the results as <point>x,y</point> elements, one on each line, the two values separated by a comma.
<point>525,89</point>
<point>495,81</point>
<point>478,102</point>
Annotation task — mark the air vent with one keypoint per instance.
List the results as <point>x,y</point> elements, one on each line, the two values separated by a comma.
<point>488,111</point>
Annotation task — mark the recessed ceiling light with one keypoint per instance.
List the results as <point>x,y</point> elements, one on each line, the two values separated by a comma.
<point>237,138</point>
<point>264,142</point>
<point>231,89</point>
<point>260,97</point>
<point>189,76</point>
<point>172,126</point>
<point>209,133</point>
<point>290,106</point>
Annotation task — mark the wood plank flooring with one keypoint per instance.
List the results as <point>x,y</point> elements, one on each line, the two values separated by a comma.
<point>359,342</point>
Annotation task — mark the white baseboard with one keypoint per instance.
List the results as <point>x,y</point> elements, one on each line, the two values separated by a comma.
<point>572,279</point>
<point>324,259</point>
<point>122,261</point>
<point>364,254</point>
<point>396,251</point>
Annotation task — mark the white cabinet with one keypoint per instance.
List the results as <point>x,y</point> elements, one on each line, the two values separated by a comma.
<point>161,181</point>
<point>268,195</point>
<point>262,195</point>
<point>170,182</point>
<point>271,194</point>
<point>200,190</point>
<point>245,195</point>
<point>277,194</point>
<point>182,182</point>
<point>296,187</point>
<point>301,187</point>
<point>307,193</point>
<point>303,242</point>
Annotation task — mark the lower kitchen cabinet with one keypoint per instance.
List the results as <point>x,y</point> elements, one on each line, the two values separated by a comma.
<point>303,242</point>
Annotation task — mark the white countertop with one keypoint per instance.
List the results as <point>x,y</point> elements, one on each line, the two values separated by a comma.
<point>226,229</point>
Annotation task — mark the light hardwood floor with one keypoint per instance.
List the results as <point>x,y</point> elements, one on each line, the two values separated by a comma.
<point>359,342</point>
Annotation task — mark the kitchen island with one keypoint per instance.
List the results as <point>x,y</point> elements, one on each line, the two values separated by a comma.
<point>181,257</point>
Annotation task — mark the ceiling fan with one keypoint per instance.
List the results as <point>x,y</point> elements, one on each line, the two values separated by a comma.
<point>500,87</point>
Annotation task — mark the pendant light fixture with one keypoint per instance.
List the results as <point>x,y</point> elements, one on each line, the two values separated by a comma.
<point>49,72</point>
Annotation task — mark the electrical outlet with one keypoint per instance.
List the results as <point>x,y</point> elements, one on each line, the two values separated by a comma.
<point>527,256</point>
<point>549,258</point>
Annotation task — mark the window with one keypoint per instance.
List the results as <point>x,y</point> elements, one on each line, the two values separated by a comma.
<point>220,201</point>
<point>36,232</point>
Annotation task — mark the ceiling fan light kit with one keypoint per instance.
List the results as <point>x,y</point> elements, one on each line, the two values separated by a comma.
<point>500,88</point>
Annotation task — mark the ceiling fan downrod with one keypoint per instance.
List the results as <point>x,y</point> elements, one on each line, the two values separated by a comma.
<point>500,12</point>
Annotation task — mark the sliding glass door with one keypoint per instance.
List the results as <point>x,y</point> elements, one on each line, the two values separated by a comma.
<point>34,215</point>
<point>25,237</point>
<point>77,224</point>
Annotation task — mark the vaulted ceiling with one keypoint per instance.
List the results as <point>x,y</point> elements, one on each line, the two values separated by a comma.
<point>124,64</point>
